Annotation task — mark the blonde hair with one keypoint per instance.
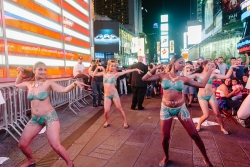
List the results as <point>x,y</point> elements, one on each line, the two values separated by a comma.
<point>29,74</point>
<point>109,64</point>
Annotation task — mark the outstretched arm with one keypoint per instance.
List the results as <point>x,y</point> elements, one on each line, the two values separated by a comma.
<point>228,75</point>
<point>247,59</point>
<point>149,77</point>
<point>199,84</point>
<point>128,71</point>
<point>60,89</point>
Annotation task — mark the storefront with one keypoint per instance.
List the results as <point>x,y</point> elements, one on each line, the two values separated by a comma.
<point>244,45</point>
<point>52,31</point>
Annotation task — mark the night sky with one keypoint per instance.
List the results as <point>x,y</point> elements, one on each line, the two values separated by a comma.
<point>179,14</point>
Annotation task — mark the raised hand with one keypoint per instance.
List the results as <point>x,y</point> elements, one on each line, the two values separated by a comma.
<point>20,69</point>
<point>139,71</point>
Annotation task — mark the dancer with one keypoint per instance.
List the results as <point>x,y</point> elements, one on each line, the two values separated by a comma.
<point>206,95</point>
<point>43,114</point>
<point>173,103</point>
<point>110,91</point>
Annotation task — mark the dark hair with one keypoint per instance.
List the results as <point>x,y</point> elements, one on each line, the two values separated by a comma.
<point>236,79</point>
<point>201,68</point>
<point>172,61</point>
<point>233,58</point>
<point>189,62</point>
<point>150,66</point>
<point>220,58</point>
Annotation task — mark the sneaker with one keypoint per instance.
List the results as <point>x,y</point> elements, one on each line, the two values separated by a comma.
<point>242,122</point>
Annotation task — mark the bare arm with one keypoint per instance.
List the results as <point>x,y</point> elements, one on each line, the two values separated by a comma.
<point>60,89</point>
<point>96,73</point>
<point>202,84</point>
<point>128,71</point>
<point>19,83</point>
<point>149,77</point>
<point>228,75</point>
<point>247,59</point>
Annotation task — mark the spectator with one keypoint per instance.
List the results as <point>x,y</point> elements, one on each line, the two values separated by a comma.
<point>139,87</point>
<point>216,61</point>
<point>79,72</point>
<point>151,85</point>
<point>222,66</point>
<point>123,83</point>
<point>239,72</point>
<point>236,89</point>
<point>97,85</point>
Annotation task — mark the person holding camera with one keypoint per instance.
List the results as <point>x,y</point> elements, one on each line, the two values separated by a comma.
<point>97,85</point>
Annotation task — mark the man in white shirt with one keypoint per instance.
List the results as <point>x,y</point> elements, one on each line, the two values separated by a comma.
<point>79,72</point>
<point>222,66</point>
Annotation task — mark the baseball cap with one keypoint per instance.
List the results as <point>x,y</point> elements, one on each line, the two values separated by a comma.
<point>79,57</point>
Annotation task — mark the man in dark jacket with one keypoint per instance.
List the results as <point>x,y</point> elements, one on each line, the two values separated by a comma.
<point>139,87</point>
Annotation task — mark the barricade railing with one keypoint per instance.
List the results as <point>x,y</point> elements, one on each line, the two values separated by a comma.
<point>13,113</point>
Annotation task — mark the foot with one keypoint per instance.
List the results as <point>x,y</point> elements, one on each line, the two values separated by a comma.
<point>133,108</point>
<point>126,126</point>
<point>95,105</point>
<point>163,163</point>
<point>225,132</point>
<point>189,105</point>
<point>141,108</point>
<point>31,163</point>
<point>106,125</point>
<point>70,164</point>
<point>208,163</point>
<point>198,129</point>
<point>100,104</point>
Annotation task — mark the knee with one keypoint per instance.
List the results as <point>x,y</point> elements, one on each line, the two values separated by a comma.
<point>119,108</point>
<point>22,145</point>
<point>205,116</point>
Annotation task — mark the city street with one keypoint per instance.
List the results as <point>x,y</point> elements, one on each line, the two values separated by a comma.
<point>91,145</point>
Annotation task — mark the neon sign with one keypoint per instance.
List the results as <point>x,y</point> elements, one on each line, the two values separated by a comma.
<point>243,43</point>
<point>245,4</point>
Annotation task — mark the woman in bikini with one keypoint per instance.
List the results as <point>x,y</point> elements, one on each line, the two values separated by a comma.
<point>43,114</point>
<point>206,95</point>
<point>110,91</point>
<point>173,103</point>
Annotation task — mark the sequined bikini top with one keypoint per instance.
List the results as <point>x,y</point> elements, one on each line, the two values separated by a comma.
<point>40,96</point>
<point>169,85</point>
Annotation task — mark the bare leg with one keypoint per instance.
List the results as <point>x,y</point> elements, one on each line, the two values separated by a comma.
<point>119,108</point>
<point>107,105</point>
<point>191,96</point>
<point>30,131</point>
<point>244,112</point>
<point>54,140</point>
<point>205,110</point>
<point>215,108</point>
<point>165,131</point>
<point>190,128</point>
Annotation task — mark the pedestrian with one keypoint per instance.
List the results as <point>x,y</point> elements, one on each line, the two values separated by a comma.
<point>206,95</point>
<point>42,112</point>
<point>79,71</point>
<point>110,91</point>
<point>139,87</point>
<point>173,103</point>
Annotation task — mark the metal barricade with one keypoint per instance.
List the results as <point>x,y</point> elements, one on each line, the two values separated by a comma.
<point>13,113</point>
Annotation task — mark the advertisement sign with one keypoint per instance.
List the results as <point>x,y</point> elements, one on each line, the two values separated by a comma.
<point>141,49</point>
<point>164,41</point>
<point>164,18</point>
<point>106,36</point>
<point>194,34</point>
<point>171,46</point>
<point>134,47</point>
<point>164,53</point>
<point>158,48</point>
<point>164,27</point>
<point>231,12</point>
<point>209,13</point>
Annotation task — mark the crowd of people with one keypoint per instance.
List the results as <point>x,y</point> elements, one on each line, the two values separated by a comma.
<point>178,83</point>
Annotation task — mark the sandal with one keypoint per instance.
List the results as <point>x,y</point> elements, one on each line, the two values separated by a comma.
<point>107,125</point>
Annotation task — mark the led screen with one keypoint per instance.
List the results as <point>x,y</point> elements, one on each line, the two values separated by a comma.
<point>231,12</point>
<point>164,53</point>
<point>209,13</point>
<point>164,18</point>
<point>134,47</point>
<point>106,36</point>
<point>171,46</point>
<point>164,41</point>
<point>194,34</point>
<point>141,48</point>
<point>164,27</point>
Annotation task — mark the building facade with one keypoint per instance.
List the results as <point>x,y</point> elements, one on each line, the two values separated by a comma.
<point>54,32</point>
<point>126,12</point>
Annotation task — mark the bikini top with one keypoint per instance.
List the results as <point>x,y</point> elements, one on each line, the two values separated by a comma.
<point>40,96</point>
<point>109,80</point>
<point>210,81</point>
<point>169,85</point>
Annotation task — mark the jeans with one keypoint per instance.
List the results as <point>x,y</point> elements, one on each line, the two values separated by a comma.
<point>123,83</point>
<point>97,89</point>
<point>150,89</point>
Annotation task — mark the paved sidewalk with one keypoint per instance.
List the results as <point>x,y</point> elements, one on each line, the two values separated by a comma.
<point>91,145</point>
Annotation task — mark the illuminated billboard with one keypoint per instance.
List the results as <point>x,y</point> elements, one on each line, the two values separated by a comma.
<point>231,12</point>
<point>164,27</point>
<point>164,18</point>
<point>171,46</point>
<point>164,41</point>
<point>106,36</point>
<point>141,48</point>
<point>194,34</point>
<point>164,53</point>
<point>209,13</point>
<point>54,32</point>
<point>134,45</point>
